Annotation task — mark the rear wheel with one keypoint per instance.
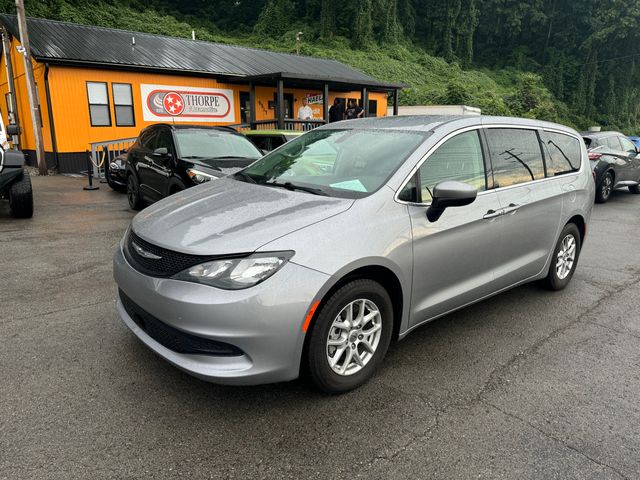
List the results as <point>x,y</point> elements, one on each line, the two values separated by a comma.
<point>350,337</point>
<point>133,192</point>
<point>565,258</point>
<point>603,192</point>
<point>634,189</point>
<point>21,197</point>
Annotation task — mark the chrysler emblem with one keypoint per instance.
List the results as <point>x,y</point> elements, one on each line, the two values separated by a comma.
<point>143,253</point>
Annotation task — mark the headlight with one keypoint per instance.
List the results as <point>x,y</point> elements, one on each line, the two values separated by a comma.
<point>198,176</point>
<point>114,166</point>
<point>236,273</point>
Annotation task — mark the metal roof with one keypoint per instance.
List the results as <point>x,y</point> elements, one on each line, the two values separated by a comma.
<point>62,42</point>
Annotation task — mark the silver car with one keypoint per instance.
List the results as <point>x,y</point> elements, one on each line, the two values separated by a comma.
<point>319,254</point>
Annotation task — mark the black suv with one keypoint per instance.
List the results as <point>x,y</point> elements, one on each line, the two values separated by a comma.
<point>615,162</point>
<point>168,158</point>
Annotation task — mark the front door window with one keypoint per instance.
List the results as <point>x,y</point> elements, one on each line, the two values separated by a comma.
<point>459,159</point>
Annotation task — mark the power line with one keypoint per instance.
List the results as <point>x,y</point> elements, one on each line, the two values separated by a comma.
<point>608,60</point>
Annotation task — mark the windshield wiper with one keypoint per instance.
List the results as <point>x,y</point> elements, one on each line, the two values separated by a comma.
<point>245,177</point>
<point>231,157</point>
<point>292,186</point>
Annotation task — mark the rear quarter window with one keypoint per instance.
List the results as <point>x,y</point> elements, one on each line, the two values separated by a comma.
<point>564,153</point>
<point>613,143</point>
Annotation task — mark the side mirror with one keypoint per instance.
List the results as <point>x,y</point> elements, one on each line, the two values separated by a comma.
<point>13,129</point>
<point>161,152</point>
<point>450,194</point>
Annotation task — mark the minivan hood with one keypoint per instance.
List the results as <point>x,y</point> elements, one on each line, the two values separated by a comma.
<point>227,216</point>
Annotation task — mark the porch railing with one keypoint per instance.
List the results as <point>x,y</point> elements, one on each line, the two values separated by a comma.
<point>103,153</point>
<point>289,124</point>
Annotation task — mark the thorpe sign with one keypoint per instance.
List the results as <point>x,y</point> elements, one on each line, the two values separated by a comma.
<point>167,103</point>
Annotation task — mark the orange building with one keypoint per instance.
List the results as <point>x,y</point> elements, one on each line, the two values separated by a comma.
<point>98,84</point>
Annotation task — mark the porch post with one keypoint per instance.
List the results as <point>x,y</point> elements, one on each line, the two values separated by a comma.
<point>280,104</point>
<point>325,103</point>
<point>252,104</point>
<point>365,101</point>
<point>395,102</point>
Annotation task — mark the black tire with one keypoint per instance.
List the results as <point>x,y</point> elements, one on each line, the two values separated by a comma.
<point>324,377</point>
<point>553,279</point>
<point>634,189</point>
<point>21,197</point>
<point>133,192</point>
<point>603,192</point>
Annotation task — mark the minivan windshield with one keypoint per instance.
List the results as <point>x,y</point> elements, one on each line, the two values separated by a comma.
<point>341,163</point>
<point>209,143</point>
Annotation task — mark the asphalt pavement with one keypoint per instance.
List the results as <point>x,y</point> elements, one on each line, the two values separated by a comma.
<point>527,385</point>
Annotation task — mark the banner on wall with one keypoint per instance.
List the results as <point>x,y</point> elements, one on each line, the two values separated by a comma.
<point>313,99</point>
<point>170,103</point>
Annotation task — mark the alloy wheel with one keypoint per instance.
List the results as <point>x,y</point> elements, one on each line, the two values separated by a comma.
<point>607,186</point>
<point>566,257</point>
<point>132,193</point>
<point>354,337</point>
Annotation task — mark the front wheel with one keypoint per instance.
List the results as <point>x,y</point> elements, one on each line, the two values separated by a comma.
<point>635,189</point>
<point>21,197</point>
<point>133,192</point>
<point>350,336</point>
<point>565,258</point>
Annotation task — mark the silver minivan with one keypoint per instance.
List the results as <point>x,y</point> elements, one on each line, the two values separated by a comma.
<point>315,257</point>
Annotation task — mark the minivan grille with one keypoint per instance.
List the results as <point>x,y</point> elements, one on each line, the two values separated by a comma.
<point>172,338</point>
<point>168,262</point>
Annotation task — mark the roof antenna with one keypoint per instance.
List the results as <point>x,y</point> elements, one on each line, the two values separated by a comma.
<point>133,41</point>
<point>193,34</point>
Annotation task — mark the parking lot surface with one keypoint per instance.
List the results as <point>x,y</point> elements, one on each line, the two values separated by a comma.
<point>529,384</point>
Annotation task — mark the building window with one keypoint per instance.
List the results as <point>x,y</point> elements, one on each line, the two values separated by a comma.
<point>123,104</point>
<point>98,104</point>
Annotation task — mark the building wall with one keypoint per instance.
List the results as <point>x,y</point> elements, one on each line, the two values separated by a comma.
<point>69,102</point>
<point>22,99</point>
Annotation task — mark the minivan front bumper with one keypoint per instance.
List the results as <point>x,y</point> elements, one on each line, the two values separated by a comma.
<point>262,324</point>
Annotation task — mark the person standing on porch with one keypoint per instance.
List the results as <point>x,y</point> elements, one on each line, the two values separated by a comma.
<point>336,112</point>
<point>354,110</point>
<point>305,112</point>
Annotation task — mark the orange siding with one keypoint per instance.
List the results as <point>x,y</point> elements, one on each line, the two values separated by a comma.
<point>22,98</point>
<point>71,108</point>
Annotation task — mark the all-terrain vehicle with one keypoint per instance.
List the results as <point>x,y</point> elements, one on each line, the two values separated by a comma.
<point>15,183</point>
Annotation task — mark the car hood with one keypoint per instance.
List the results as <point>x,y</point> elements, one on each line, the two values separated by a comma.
<point>227,216</point>
<point>222,168</point>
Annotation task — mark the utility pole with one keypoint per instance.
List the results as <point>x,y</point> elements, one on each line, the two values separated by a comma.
<point>31,87</point>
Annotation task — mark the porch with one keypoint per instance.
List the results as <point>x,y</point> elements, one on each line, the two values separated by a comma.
<point>323,88</point>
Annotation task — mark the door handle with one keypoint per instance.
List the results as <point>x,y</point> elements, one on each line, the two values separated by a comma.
<point>512,208</point>
<point>493,214</point>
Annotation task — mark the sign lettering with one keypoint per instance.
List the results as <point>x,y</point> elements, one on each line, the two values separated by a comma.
<point>187,104</point>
